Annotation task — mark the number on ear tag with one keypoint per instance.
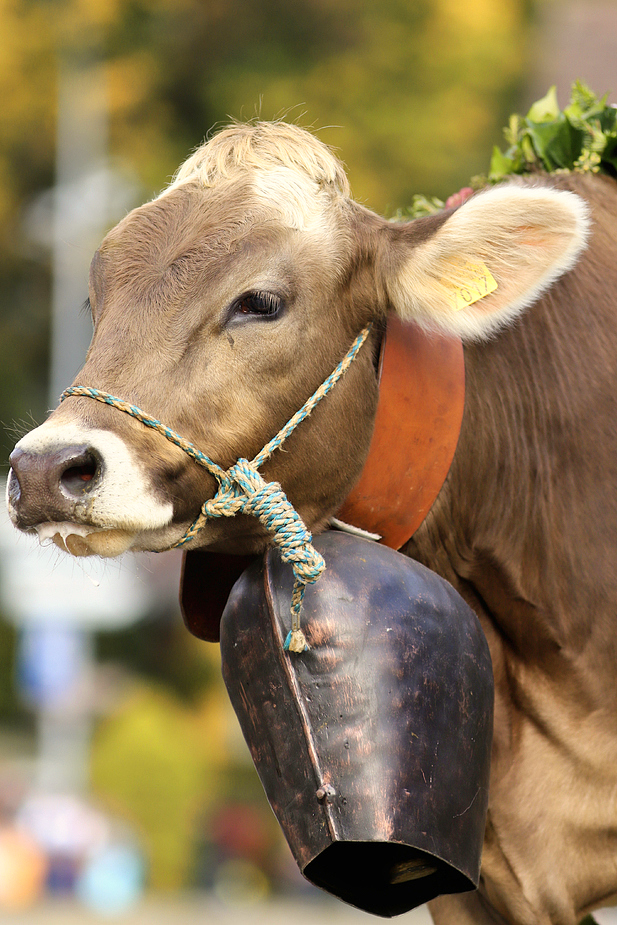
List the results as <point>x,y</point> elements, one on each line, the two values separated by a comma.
<point>471,282</point>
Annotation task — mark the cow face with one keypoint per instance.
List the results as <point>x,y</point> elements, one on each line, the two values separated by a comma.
<point>220,307</point>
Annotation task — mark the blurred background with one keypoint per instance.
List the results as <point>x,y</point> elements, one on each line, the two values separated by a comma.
<point>124,782</point>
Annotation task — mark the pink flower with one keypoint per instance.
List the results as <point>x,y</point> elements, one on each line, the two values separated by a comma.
<point>457,199</point>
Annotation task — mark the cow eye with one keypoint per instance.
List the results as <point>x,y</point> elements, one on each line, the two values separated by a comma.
<point>263,304</point>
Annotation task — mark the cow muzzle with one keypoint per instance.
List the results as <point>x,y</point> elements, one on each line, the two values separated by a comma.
<point>82,488</point>
<point>58,483</point>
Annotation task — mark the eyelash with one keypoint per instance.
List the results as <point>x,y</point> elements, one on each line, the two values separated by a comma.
<point>262,304</point>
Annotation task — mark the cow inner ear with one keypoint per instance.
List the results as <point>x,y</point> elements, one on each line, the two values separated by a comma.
<point>489,259</point>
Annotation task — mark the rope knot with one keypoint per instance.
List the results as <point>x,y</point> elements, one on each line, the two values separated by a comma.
<point>268,502</point>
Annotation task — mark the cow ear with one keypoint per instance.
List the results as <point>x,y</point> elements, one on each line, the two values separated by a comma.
<point>487,261</point>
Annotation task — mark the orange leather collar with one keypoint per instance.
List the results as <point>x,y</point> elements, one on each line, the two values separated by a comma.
<point>417,425</point>
<point>418,420</point>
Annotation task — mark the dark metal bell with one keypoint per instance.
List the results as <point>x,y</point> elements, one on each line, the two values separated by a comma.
<point>373,746</point>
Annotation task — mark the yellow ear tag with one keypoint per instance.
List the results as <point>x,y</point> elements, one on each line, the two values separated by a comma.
<point>473,281</point>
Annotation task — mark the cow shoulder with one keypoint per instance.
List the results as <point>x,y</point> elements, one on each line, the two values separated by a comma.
<point>472,270</point>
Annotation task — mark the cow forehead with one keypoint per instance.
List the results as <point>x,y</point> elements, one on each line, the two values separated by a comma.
<point>163,228</point>
<point>301,204</point>
<point>285,192</point>
<point>189,225</point>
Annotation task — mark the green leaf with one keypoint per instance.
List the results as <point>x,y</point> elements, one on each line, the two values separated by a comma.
<point>557,144</point>
<point>582,95</point>
<point>608,120</point>
<point>546,109</point>
<point>528,155</point>
<point>580,138</point>
<point>420,206</point>
<point>512,132</point>
<point>584,104</point>
<point>501,166</point>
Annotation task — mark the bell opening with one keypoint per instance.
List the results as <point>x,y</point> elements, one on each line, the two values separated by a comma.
<point>383,878</point>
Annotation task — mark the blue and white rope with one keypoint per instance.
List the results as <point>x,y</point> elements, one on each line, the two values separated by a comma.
<point>242,490</point>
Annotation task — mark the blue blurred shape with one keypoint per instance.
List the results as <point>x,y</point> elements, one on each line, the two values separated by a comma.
<point>50,663</point>
<point>112,880</point>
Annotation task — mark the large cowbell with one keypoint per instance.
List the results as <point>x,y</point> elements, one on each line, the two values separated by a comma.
<point>373,746</point>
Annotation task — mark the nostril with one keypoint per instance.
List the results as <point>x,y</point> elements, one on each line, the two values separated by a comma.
<point>13,488</point>
<point>49,484</point>
<point>80,476</point>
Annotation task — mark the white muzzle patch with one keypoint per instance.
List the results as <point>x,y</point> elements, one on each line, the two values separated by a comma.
<point>121,506</point>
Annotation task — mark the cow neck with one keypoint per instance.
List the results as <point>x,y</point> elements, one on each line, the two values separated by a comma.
<point>417,425</point>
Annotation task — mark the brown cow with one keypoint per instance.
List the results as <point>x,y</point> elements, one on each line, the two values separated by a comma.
<point>221,305</point>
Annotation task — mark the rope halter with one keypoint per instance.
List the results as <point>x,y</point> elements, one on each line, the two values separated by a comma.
<point>242,490</point>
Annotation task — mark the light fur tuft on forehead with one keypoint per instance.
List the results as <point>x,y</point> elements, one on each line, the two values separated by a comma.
<point>263,147</point>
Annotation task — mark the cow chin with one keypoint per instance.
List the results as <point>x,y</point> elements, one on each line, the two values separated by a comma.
<point>107,542</point>
<point>79,541</point>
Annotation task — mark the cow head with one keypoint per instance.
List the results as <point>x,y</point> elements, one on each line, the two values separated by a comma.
<point>220,306</point>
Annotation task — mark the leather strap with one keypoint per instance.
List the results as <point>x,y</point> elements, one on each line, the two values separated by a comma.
<point>417,425</point>
<point>418,421</point>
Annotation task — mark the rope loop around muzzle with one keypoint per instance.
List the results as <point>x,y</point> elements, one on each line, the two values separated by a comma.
<point>242,490</point>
